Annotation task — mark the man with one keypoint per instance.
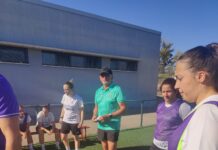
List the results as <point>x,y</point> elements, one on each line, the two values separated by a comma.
<point>9,123</point>
<point>25,121</point>
<point>109,105</point>
<point>46,124</point>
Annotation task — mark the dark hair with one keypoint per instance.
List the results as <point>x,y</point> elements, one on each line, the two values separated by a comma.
<point>204,58</point>
<point>171,82</point>
<point>21,106</point>
<point>69,84</point>
<point>47,106</point>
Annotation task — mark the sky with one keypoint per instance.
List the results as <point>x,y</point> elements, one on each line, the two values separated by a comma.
<point>184,23</point>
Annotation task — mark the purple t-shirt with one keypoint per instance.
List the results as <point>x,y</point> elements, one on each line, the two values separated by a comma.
<point>168,119</point>
<point>8,105</point>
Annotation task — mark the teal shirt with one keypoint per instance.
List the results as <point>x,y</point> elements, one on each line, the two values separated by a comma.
<point>108,101</point>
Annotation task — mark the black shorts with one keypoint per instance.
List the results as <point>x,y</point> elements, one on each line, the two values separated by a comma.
<point>23,127</point>
<point>48,128</point>
<point>67,127</point>
<point>108,135</point>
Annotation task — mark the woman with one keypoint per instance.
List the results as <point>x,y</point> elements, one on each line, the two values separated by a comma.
<point>170,114</point>
<point>25,120</point>
<point>71,115</point>
<point>197,81</point>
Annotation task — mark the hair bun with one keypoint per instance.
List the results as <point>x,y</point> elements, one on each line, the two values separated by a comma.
<point>71,80</point>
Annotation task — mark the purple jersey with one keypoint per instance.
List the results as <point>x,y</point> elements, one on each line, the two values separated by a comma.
<point>8,105</point>
<point>168,119</point>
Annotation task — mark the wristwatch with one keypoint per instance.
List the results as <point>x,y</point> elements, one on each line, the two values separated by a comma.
<point>110,115</point>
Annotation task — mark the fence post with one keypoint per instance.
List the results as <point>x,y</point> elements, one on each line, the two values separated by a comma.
<point>142,103</point>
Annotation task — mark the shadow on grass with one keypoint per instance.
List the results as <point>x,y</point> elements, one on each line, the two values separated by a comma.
<point>135,148</point>
<point>89,142</point>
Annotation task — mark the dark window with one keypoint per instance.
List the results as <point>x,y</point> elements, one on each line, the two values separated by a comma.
<point>73,60</point>
<point>13,54</point>
<point>126,65</point>
<point>55,59</point>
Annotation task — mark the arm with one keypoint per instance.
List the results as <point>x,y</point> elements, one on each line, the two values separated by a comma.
<point>62,114</point>
<point>10,129</point>
<point>81,117</point>
<point>95,112</point>
<point>122,108</point>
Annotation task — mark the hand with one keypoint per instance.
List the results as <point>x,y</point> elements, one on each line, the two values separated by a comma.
<point>79,125</point>
<point>61,120</point>
<point>94,118</point>
<point>100,118</point>
<point>105,117</point>
<point>25,135</point>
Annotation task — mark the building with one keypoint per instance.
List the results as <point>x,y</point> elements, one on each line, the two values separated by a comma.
<point>43,45</point>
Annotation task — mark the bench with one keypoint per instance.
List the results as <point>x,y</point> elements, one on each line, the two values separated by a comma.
<point>83,131</point>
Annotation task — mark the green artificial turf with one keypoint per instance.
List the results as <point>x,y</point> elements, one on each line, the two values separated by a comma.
<point>131,139</point>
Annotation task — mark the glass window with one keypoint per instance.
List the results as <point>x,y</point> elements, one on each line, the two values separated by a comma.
<point>68,59</point>
<point>93,62</point>
<point>62,59</point>
<point>48,58</point>
<point>126,65</point>
<point>13,54</point>
<point>55,59</point>
<point>77,61</point>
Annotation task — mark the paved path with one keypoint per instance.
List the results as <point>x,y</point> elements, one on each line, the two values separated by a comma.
<point>128,122</point>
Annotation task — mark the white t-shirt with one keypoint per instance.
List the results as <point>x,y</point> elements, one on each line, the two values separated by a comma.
<point>45,120</point>
<point>202,130</point>
<point>72,107</point>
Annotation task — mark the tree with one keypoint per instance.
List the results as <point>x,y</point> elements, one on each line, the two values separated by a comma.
<point>176,57</point>
<point>166,56</point>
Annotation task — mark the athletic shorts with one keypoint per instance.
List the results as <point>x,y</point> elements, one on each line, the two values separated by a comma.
<point>48,128</point>
<point>23,127</point>
<point>108,135</point>
<point>67,127</point>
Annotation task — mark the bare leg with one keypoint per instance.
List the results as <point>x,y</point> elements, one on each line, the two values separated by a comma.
<point>65,140</point>
<point>57,135</point>
<point>41,136</point>
<point>112,145</point>
<point>104,145</point>
<point>29,137</point>
<point>76,141</point>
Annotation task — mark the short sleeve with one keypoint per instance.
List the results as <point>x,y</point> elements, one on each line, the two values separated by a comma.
<point>40,117</point>
<point>81,104</point>
<point>8,101</point>
<point>120,96</point>
<point>63,99</point>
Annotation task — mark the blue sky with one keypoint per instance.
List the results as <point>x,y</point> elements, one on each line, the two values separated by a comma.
<point>185,23</point>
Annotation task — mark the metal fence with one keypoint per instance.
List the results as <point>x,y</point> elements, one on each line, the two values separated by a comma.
<point>133,107</point>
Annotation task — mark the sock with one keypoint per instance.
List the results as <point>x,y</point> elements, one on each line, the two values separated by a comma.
<point>31,146</point>
<point>67,148</point>
<point>58,145</point>
<point>43,146</point>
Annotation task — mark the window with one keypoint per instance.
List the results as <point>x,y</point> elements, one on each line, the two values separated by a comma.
<point>126,65</point>
<point>13,54</point>
<point>72,60</point>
